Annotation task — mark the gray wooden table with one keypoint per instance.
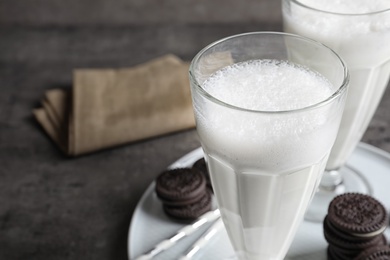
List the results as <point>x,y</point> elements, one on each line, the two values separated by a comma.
<point>53,207</point>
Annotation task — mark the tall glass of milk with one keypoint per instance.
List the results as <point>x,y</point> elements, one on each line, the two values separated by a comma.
<point>359,31</point>
<point>267,107</point>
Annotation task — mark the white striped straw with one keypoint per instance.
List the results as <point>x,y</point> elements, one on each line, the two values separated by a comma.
<point>202,241</point>
<point>183,232</point>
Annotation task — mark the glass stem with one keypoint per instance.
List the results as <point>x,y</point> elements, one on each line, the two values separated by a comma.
<point>332,181</point>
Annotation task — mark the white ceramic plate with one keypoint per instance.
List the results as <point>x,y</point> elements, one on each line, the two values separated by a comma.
<point>149,225</point>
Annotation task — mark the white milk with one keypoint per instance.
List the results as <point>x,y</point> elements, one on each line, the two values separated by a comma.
<point>265,166</point>
<point>363,41</point>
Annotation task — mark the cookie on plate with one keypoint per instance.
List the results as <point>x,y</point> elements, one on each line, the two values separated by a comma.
<point>183,193</point>
<point>355,223</point>
<point>180,184</point>
<point>375,253</point>
<point>335,254</point>
<point>190,211</point>
<point>339,240</point>
<point>358,214</point>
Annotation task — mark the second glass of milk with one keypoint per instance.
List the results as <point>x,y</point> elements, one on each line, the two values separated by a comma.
<point>267,108</point>
<point>359,31</point>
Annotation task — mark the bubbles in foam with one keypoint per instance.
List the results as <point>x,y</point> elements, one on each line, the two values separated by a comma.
<point>268,85</point>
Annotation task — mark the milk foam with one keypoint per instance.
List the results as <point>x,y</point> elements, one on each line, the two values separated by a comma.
<point>272,85</point>
<point>274,142</point>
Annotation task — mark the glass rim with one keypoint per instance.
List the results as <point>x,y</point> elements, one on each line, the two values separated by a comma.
<point>339,91</point>
<point>337,13</point>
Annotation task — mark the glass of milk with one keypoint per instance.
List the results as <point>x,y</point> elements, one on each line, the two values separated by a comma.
<point>267,108</point>
<point>359,31</point>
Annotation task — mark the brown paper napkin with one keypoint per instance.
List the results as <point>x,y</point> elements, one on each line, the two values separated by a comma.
<point>110,107</point>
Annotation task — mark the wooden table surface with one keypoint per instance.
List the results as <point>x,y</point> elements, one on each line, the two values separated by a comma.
<point>54,207</point>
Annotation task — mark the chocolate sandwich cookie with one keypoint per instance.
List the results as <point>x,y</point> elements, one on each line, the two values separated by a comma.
<point>358,214</point>
<point>355,223</point>
<point>342,234</point>
<point>341,253</point>
<point>201,166</point>
<point>375,253</point>
<point>330,253</point>
<point>183,193</point>
<point>190,211</point>
<point>335,254</point>
<point>182,184</point>
<point>341,241</point>
<point>182,202</point>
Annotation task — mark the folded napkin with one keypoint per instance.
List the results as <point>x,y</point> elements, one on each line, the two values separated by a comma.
<point>110,107</point>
